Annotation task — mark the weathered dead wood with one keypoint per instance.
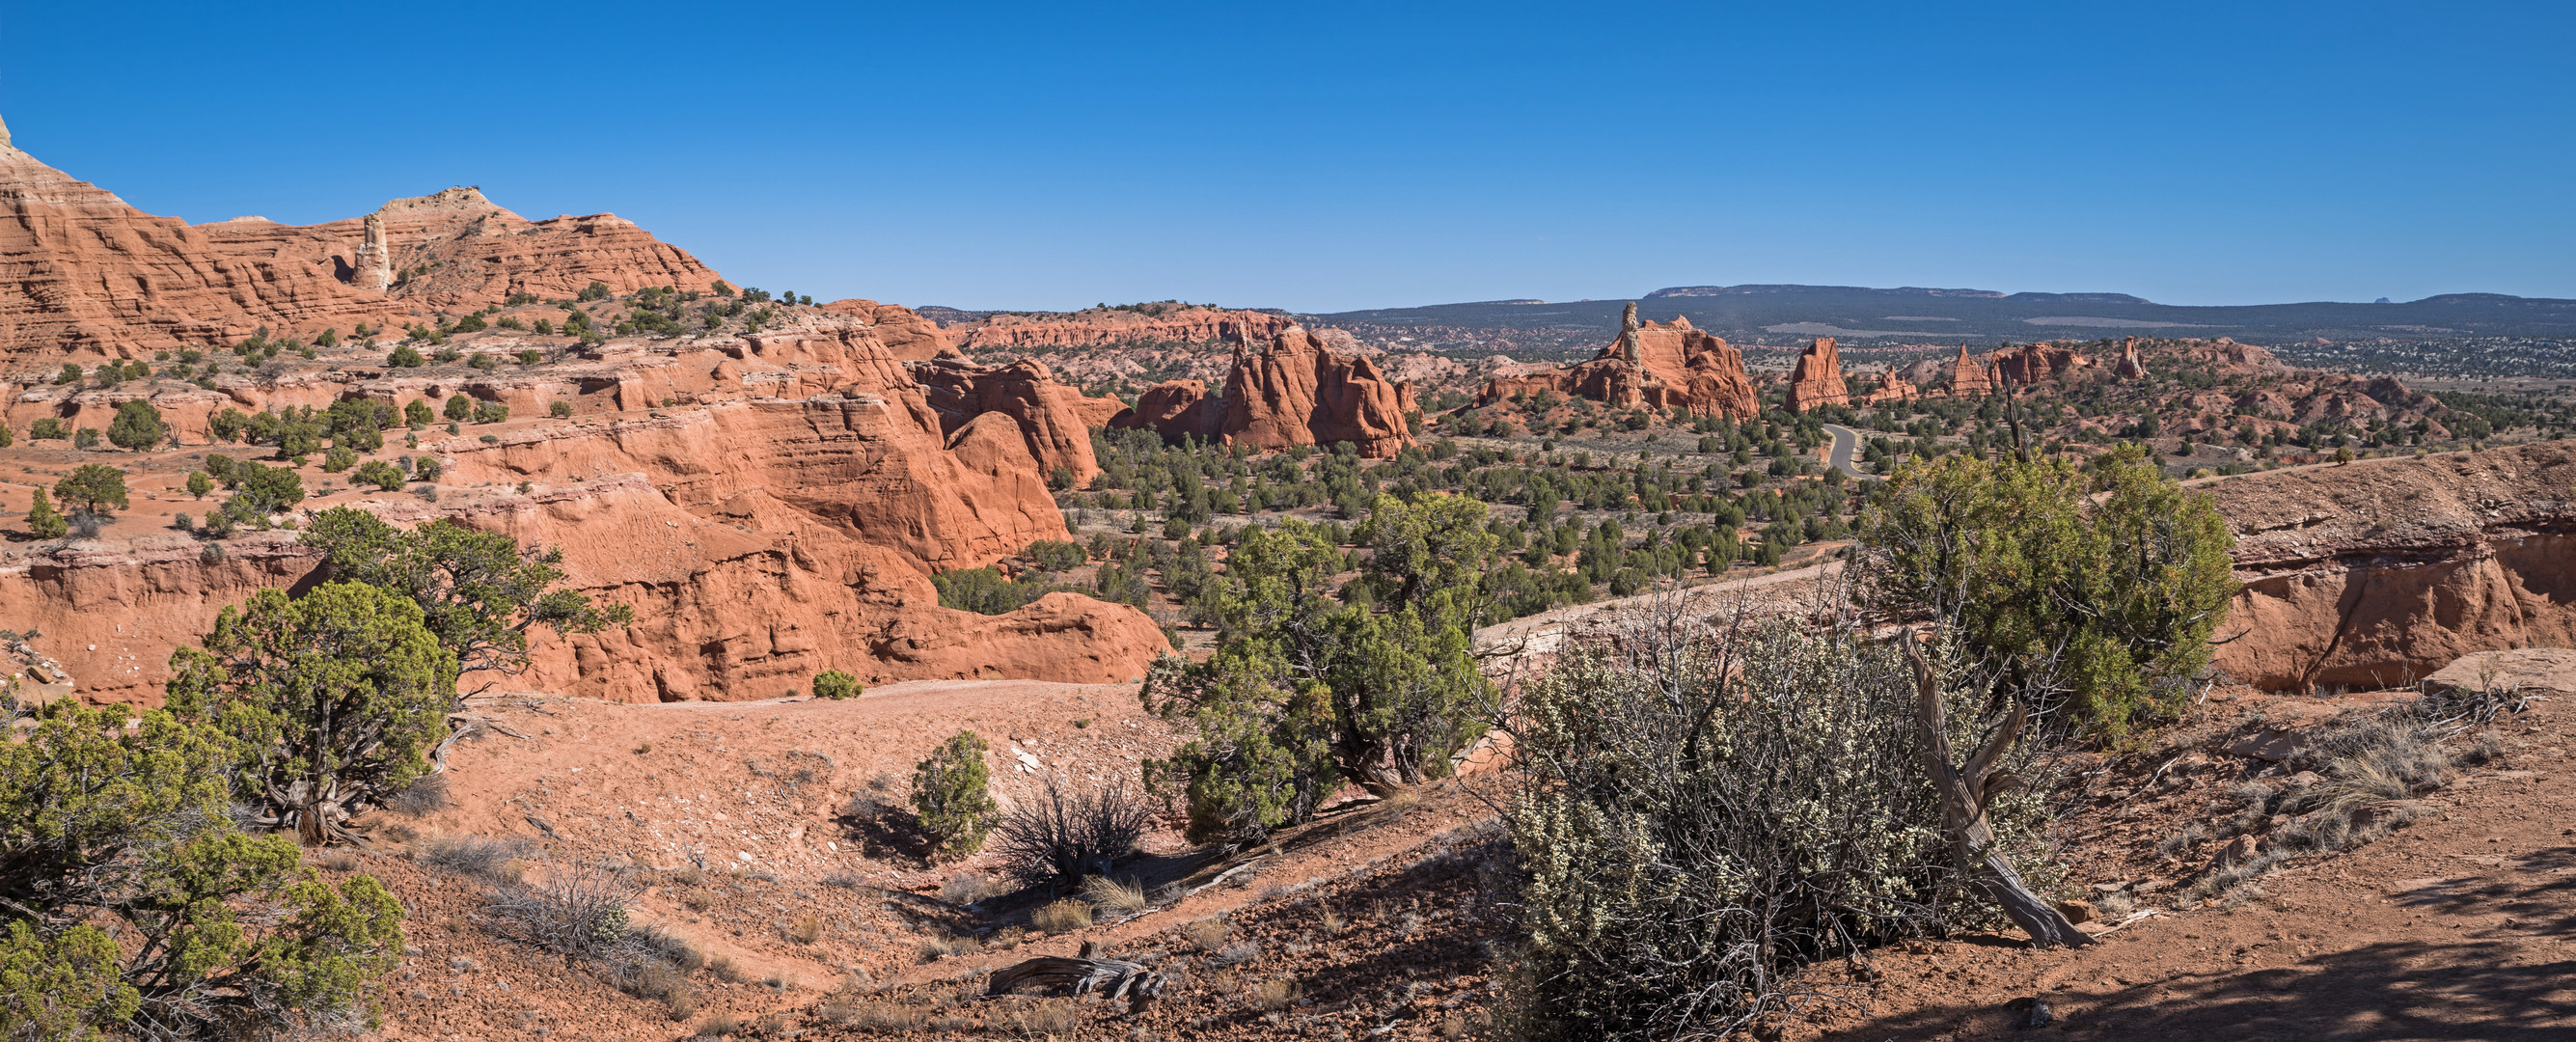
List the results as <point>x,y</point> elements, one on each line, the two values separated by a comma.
<point>1112,978</point>
<point>1965,794</point>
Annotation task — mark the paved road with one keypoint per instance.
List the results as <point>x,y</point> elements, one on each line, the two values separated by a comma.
<point>1845,450</point>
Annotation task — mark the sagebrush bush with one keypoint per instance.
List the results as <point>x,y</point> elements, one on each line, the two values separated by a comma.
<point>1702,810</point>
<point>1060,837</point>
<point>952,795</point>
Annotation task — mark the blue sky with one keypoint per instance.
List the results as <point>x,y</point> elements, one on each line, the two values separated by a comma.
<point>1324,157</point>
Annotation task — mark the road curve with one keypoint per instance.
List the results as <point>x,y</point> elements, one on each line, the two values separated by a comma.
<point>1844,452</point>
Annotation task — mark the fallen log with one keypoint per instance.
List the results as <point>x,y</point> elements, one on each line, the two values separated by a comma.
<point>1114,979</point>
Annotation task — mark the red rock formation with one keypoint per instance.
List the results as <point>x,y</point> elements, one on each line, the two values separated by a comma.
<point>1176,324</point>
<point>2033,363</point>
<point>1675,367</point>
<point>1178,410</point>
<point>909,336</point>
<point>1891,389</point>
<point>1055,420</point>
<point>1297,392</point>
<point>2130,367</point>
<point>81,271</point>
<point>2380,572</point>
<point>1818,380</point>
<point>1969,377</point>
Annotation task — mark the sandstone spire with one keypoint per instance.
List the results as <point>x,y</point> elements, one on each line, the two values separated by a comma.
<point>1628,334</point>
<point>1818,380</point>
<point>375,261</point>
<point>1967,377</point>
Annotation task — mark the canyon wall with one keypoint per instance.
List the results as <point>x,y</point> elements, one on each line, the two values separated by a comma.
<point>1107,326</point>
<point>2379,572</point>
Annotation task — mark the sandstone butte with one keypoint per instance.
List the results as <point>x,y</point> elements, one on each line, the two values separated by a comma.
<point>1818,379</point>
<point>1296,391</point>
<point>2033,363</point>
<point>82,272</point>
<point>1107,326</point>
<point>771,505</point>
<point>1653,365</point>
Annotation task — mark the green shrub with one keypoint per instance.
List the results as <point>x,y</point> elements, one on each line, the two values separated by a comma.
<point>951,795</point>
<point>985,592</point>
<point>137,426</point>
<point>833,683</point>
<point>338,459</point>
<point>85,439</point>
<point>2109,581</point>
<point>1306,690</point>
<point>199,484</point>
<point>1056,556</point>
<point>418,414</point>
<point>118,830</point>
<point>379,473</point>
<point>559,409</point>
<point>459,408</point>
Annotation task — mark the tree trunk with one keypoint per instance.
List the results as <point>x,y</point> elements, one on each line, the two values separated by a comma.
<point>1965,792</point>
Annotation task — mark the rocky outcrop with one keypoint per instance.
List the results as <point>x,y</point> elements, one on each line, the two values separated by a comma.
<point>1968,376</point>
<point>83,272</point>
<point>1179,410</point>
<point>1657,365</point>
<point>1818,379</point>
<point>2129,367</point>
<point>1298,392</point>
<point>906,334</point>
<point>1892,389</point>
<point>2032,363</point>
<point>2380,572</point>
<point>1144,324</point>
<point>784,518</point>
<point>1054,419</point>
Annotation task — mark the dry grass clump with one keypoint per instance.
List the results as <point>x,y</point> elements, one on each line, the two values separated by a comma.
<point>1114,897</point>
<point>966,888</point>
<point>1206,935</point>
<point>1045,1018</point>
<point>724,969</point>
<point>474,855</point>
<point>1060,916</point>
<point>1273,995</point>
<point>428,795</point>
<point>805,929</point>
<point>573,910</point>
<point>338,860</point>
<point>719,1025</point>
<point>2371,770</point>
<point>1065,836</point>
<point>943,944</point>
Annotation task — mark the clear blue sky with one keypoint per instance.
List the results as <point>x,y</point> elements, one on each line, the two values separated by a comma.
<point>1325,157</point>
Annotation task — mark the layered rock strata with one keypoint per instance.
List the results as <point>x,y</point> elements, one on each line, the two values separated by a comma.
<point>1100,327</point>
<point>81,271</point>
<point>2377,573</point>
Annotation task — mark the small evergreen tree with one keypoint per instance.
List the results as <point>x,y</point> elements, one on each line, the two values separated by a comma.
<point>95,488</point>
<point>199,484</point>
<point>42,520</point>
<point>951,794</point>
<point>137,426</point>
<point>459,407</point>
<point>334,699</point>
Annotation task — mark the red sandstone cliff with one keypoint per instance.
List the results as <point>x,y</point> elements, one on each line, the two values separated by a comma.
<point>2379,572</point>
<point>1055,419</point>
<point>82,271</point>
